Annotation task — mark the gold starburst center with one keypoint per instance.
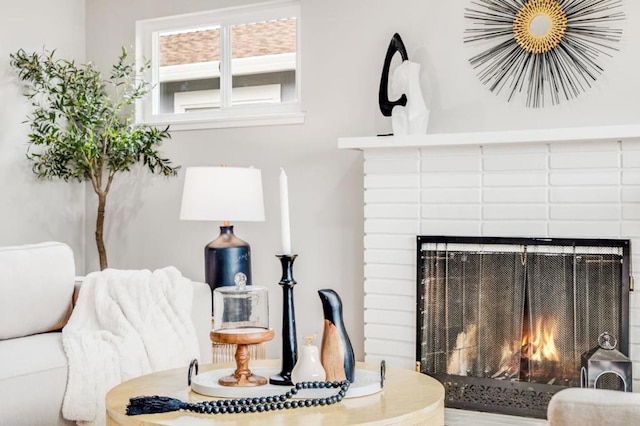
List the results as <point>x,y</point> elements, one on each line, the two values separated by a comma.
<point>522,25</point>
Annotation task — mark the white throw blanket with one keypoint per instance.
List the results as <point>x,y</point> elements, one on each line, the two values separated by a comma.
<point>125,324</point>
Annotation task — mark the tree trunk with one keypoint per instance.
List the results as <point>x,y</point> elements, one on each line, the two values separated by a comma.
<point>102,252</point>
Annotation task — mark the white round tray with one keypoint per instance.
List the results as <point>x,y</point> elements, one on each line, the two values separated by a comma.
<point>366,382</point>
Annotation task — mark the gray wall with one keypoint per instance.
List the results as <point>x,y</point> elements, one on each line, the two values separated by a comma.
<point>343,46</point>
<point>33,211</point>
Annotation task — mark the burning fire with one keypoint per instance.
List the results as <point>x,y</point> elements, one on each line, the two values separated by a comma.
<point>516,359</point>
<point>507,355</point>
<point>541,344</point>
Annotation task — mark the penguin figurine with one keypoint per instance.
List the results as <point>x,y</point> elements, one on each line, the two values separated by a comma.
<point>336,353</point>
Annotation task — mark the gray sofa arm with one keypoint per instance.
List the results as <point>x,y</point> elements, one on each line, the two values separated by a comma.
<point>593,407</point>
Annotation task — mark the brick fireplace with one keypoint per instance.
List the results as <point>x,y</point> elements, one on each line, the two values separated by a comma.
<point>554,183</point>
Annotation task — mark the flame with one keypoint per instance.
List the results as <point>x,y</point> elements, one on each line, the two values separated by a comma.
<point>541,344</point>
<point>507,354</point>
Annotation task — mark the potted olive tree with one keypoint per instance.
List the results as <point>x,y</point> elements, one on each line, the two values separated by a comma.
<point>82,124</point>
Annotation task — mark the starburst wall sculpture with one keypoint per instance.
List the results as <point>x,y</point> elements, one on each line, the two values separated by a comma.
<point>542,48</point>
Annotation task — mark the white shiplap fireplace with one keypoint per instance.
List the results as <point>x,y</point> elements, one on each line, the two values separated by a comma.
<point>558,183</point>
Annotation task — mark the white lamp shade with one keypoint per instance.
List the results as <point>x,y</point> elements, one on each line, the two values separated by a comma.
<point>222,193</point>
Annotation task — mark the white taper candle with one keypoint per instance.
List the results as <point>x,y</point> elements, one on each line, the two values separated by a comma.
<point>284,213</point>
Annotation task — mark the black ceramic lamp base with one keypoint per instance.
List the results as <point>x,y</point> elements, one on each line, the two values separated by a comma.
<point>289,339</point>
<point>225,258</point>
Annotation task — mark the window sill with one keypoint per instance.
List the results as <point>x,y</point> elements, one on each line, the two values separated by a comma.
<point>198,123</point>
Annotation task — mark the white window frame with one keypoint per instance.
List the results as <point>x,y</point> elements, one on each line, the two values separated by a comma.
<point>147,40</point>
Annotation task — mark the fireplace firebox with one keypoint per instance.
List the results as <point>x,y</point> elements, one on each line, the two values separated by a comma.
<point>503,322</point>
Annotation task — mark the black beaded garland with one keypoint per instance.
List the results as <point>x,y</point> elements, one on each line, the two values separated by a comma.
<point>163,404</point>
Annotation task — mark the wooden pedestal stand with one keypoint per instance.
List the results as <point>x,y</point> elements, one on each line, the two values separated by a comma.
<point>242,337</point>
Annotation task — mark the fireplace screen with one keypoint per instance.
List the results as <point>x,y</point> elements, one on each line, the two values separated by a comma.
<point>503,322</point>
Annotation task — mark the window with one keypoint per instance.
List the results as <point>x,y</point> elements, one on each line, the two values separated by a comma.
<point>223,68</point>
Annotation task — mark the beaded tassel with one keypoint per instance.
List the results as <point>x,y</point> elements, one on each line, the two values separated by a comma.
<point>153,404</point>
<point>164,404</point>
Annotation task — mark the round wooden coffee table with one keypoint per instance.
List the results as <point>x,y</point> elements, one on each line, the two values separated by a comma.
<point>408,398</point>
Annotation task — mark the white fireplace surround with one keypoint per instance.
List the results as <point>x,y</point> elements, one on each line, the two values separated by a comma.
<point>571,182</point>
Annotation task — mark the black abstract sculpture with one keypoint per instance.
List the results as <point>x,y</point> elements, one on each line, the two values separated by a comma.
<point>386,106</point>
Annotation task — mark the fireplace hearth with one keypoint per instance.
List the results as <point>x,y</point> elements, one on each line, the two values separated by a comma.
<point>503,322</point>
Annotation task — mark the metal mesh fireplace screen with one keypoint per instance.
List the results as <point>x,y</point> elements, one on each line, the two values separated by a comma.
<point>503,322</point>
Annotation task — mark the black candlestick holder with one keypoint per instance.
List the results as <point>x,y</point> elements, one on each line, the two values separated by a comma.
<point>289,339</point>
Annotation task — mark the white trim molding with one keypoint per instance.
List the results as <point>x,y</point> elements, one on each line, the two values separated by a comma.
<point>223,111</point>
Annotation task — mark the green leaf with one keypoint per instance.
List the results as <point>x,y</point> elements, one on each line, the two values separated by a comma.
<point>81,121</point>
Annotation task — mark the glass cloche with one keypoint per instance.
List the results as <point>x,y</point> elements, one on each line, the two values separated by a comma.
<point>240,307</point>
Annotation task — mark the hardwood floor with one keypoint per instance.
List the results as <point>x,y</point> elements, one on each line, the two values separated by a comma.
<point>456,417</point>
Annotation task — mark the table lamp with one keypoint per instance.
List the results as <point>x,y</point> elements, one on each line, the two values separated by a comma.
<point>224,194</point>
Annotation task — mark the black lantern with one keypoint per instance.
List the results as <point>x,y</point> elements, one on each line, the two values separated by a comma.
<point>604,359</point>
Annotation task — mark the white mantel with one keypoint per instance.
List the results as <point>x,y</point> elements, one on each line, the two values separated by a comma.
<point>575,134</point>
<point>569,182</point>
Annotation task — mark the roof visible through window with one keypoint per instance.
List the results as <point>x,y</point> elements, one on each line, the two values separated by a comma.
<point>247,40</point>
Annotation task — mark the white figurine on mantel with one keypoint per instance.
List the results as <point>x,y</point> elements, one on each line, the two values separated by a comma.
<point>413,118</point>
